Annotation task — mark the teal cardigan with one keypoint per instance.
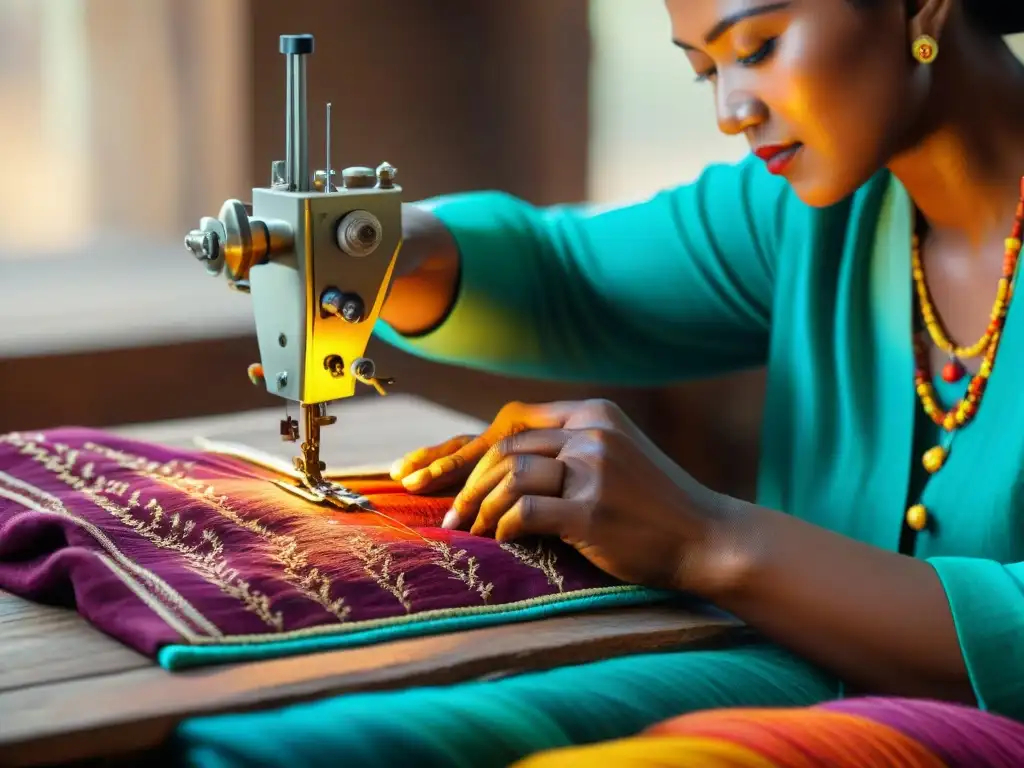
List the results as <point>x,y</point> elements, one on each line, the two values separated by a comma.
<point>732,272</point>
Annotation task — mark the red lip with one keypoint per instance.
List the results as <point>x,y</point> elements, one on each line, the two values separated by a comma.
<point>778,156</point>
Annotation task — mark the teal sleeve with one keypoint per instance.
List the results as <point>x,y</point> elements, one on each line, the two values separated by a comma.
<point>987,600</point>
<point>675,287</point>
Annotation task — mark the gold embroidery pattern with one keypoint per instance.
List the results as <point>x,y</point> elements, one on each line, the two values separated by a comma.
<point>154,591</point>
<point>449,560</point>
<point>541,558</point>
<point>374,556</point>
<point>377,562</point>
<point>376,559</point>
<point>296,570</point>
<point>445,558</point>
<point>202,550</point>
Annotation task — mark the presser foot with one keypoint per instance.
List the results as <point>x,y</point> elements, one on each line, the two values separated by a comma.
<point>326,493</point>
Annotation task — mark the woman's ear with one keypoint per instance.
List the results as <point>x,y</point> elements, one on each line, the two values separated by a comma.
<point>929,17</point>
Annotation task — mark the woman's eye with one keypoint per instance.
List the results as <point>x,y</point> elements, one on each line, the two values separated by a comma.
<point>751,60</point>
<point>759,55</point>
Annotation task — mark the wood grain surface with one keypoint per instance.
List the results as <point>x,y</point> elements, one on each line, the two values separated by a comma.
<point>134,708</point>
<point>41,645</point>
<point>68,692</point>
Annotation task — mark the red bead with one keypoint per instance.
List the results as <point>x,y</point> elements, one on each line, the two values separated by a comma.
<point>952,372</point>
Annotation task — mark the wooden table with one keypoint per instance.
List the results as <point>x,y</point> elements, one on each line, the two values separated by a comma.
<point>69,693</point>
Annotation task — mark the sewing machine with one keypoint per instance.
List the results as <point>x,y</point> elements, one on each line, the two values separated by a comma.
<point>317,260</point>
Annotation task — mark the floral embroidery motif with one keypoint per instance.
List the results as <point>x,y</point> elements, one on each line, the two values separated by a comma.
<point>202,549</point>
<point>449,560</point>
<point>188,622</point>
<point>296,570</point>
<point>540,557</point>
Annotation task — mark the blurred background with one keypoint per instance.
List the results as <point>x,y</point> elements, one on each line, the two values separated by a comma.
<point>125,121</point>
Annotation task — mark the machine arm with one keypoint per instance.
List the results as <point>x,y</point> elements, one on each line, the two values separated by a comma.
<point>316,259</point>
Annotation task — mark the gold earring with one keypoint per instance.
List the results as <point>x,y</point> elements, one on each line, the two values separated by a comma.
<point>925,49</point>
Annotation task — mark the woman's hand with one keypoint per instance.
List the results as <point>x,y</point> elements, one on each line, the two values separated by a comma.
<point>447,465</point>
<point>584,473</point>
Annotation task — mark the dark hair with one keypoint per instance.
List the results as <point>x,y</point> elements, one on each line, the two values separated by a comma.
<point>1003,17</point>
<point>1000,17</point>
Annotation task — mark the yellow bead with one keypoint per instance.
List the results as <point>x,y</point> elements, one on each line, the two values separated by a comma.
<point>1013,244</point>
<point>917,517</point>
<point>934,458</point>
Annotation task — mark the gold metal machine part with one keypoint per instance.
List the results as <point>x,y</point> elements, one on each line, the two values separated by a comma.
<point>316,259</point>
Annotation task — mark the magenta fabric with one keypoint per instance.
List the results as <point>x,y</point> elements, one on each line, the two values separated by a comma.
<point>962,737</point>
<point>161,547</point>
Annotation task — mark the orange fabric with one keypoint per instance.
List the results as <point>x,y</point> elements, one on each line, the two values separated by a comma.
<point>651,752</point>
<point>805,738</point>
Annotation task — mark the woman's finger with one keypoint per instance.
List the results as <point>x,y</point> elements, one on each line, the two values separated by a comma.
<point>531,476</point>
<point>449,470</point>
<point>543,442</point>
<point>543,516</point>
<point>498,490</point>
<point>422,457</point>
<point>490,470</point>
<point>496,464</point>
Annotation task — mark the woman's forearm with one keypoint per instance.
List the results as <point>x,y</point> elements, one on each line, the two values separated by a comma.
<point>878,620</point>
<point>426,276</point>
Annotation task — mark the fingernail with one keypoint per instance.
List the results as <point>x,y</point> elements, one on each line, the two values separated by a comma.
<point>417,479</point>
<point>451,520</point>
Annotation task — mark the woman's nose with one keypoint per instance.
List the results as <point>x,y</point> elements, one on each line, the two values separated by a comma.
<point>739,111</point>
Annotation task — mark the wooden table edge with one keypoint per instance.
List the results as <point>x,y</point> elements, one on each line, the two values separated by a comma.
<point>138,709</point>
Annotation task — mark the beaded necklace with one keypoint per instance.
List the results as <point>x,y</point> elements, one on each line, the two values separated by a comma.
<point>961,414</point>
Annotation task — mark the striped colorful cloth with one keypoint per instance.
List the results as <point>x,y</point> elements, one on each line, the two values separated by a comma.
<point>853,733</point>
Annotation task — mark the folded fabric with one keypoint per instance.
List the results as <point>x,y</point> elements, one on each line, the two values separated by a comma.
<point>492,723</point>
<point>195,559</point>
<point>877,732</point>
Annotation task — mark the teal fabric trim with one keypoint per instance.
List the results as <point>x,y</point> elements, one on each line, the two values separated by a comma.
<point>180,657</point>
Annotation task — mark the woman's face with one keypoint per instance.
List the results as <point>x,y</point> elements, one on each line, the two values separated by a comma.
<point>822,89</point>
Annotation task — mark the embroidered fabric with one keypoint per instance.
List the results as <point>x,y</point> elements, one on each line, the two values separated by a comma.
<point>193,558</point>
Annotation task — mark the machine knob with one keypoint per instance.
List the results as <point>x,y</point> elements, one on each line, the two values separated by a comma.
<point>358,177</point>
<point>386,173</point>
<point>363,370</point>
<point>348,306</point>
<point>234,242</point>
<point>359,233</point>
<point>335,365</point>
<point>301,45</point>
<point>206,244</point>
<point>243,247</point>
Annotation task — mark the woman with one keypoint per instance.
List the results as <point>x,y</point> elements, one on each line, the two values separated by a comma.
<point>879,215</point>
